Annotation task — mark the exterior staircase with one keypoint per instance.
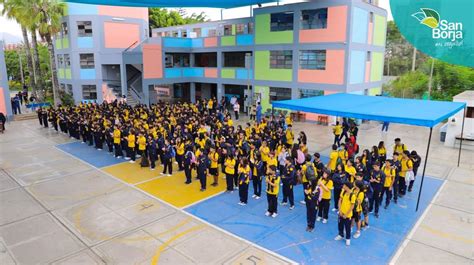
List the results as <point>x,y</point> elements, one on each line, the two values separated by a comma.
<point>131,100</point>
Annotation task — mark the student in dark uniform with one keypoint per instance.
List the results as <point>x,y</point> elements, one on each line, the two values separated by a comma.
<point>152,152</point>
<point>244,180</point>
<point>416,164</point>
<point>288,179</point>
<point>273,187</point>
<point>377,179</point>
<point>39,112</point>
<point>187,163</point>
<point>202,168</point>
<point>397,166</point>
<point>44,116</point>
<point>310,198</point>
<point>257,176</point>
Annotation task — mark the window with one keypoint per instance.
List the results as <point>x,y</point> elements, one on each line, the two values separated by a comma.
<point>308,93</point>
<point>234,59</point>
<point>69,89</point>
<point>250,28</point>
<point>279,93</point>
<point>198,32</point>
<point>368,57</point>
<point>314,18</point>
<point>313,59</point>
<point>240,29</point>
<point>84,28</point>
<point>176,60</point>
<point>62,87</point>
<point>227,30</point>
<point>281,21</point>
<point>184,33</point>
<point>67,61</point>
<point>470,112</point>
<point>64,28</point>
<point>281,59</point>
<point>212,33</point>
<point>60,61</point>
<point>371,17</point>
<point>86,60</point>
<point>89,92</point>
<point>205,59</point>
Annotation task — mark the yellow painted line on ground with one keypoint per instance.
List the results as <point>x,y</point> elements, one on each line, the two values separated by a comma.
<point>447,235</point>
<point>162,247</point>
<point>173,190</point>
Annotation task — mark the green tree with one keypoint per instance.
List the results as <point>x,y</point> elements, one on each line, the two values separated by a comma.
<point>161,18</point>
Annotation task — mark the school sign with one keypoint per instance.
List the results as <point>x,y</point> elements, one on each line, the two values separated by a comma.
<point>440,28</point>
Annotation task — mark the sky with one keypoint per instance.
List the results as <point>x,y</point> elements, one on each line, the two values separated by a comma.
<point>10,26</point>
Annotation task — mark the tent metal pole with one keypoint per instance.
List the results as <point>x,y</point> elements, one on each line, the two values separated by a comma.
<point>462,134</point>
<point>424,169</point>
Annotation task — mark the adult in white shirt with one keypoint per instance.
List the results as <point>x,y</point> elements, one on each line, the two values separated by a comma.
<point>236,110</point>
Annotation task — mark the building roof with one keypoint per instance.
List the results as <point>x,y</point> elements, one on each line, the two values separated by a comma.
<point>418,112</point>
<point>466,95</point>
<point>180,3</point>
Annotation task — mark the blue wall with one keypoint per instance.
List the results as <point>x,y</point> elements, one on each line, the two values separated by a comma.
<point>82,9</point>
<point>178,42</point>
<point>357,67</point>
<point>85,42</point>
<point>242,74</point>
<point>172,72</point>
<point>193,72</point>
<point>360,25</point>
<point>245,39</point>
<point>87,73</point>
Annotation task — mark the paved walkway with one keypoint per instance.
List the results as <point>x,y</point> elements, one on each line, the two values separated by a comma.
<point>56,209</point>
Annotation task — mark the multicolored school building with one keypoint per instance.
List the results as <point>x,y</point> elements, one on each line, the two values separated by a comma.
<point>280,52</point>
<point>5,104</point>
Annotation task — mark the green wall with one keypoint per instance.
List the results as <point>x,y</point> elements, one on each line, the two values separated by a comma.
<point>62,43</point>
<point>265,97</point>
<point>263,71</point>
<point>227,73</point>
<point>60,73</point>
<point>227,40</point>
<point>376,66</point>
<point>67,73</point>
<point>263,35</point>
<point>375,91</point>
<point>379,30</point>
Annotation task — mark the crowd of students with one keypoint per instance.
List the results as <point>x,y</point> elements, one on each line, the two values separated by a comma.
<point>201,137</point>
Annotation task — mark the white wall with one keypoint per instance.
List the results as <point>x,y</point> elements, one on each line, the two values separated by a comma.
<point>454,128</point>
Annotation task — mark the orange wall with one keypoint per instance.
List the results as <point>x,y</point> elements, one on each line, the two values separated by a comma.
<point>120,11</point>
<point>210,72</point>
<point>210,42</point>
<point>335,31</point>
<point>120,35</point>
<point>370,33</point>
<point>334,73</point>
<point>367,71</point>
<point>3,103</point>
<point>152,57</point>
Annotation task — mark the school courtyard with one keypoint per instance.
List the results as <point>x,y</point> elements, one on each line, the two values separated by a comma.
<point>64,203</point>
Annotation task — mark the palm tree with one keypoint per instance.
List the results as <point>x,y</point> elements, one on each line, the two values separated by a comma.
<point>15,9</point>
<point>48,15</point>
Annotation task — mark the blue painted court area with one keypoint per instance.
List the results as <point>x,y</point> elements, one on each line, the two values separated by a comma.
<point>286,233</point>
<point>90,155</point>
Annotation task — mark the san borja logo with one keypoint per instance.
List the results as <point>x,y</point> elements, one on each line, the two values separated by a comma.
<point>440,29</point>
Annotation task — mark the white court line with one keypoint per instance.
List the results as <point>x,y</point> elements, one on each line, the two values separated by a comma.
<point>397,254</point>
<point>184,212</point>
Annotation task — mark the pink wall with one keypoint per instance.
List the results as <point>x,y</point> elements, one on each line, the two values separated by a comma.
<point>367,71</point>
<point>3,103</point>
<point>334,73</point>
<point>210,42</point>
<point>120,35</point>
<point>370,33</point>
<point>152,57</point>
<point>120,11</point>
<point>335,31</point>
<point>210,72</point>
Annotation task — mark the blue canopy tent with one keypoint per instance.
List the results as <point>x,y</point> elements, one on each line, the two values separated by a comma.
<point>416,112</point>
<point>180,3</point>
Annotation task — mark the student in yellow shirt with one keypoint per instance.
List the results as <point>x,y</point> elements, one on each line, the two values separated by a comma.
<point>213,171</point>
<point>399,147</point>
<point>346,207</point>
<point>407,165</point>
<point>289,135</point>
<point>343,154</point>
<point>244,180</point>
<point>131,145</point>
<point>382,152</point>
<point>230,172</point>
<point>333,156</point>
<point>350,170</point>
<point>388,183</point>
<point>326,185</point>
<point>180,153</point>
<point>142,145</point>
<point>264,152</point>
<point>337,131</point>
<point>273,187</point>
<point>117,135</point>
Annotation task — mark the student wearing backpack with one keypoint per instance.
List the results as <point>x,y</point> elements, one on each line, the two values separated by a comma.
<point>399,147</point>
<point>273,187</point>
<point>244,180</point>
<point>202,168</point>
<point>337,131</point>
<point>358,190</point>
<point>308,175</point>
<point>365,203</point>
<point>416,164</point>
<point>339,176</point>
<point>189,159</point>
<point>398,167</point>
<point>346,207</point>
<point>288,177</point>
<point>406,165</point>
<point>326,185</point>
<point>388,183</point>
